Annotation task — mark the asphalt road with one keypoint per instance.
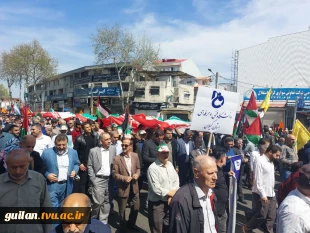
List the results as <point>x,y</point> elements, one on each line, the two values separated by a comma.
<point>142,221</point>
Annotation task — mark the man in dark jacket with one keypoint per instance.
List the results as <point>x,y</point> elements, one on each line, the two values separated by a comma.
<point>221,189</point>
<point>192,204</point>
<point>172,145</point>
<point>82,145</point>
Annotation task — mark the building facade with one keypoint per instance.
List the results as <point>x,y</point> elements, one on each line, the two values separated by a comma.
<point>282,61</point>
<point>171,83</point>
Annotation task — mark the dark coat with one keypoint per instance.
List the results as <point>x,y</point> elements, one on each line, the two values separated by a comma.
<point>149,152</point>
<point>39,165</point>
<point>80,147</point>
<point>186,212</point>
<point>174,145</point>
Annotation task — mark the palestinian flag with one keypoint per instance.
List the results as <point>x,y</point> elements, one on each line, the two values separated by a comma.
<point>126,120</point>
<point>102,111</point>
<point>254,131</point>
<point>251,108</point>
<point>237,123</point>
<point>246,125</point>
<point>25,125</point>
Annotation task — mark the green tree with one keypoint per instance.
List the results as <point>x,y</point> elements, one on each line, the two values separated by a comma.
<point>118,46</point>
<point>29,63</point>
<point>4,93</point>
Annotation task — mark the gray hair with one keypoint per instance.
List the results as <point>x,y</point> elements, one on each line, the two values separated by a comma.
<point>101,135</point>
<point>16,155</point>
<point>200,160</point>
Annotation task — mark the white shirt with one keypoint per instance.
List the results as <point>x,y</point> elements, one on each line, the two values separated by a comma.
<point>208,215</point>
<point>128,164</point>
<point>43,142</point>
<point>105,163</point>
<point>264,179</point>
<point>294,214</point>
<point>161,179</point>
<point>253,156</point>
<point>63,165</point>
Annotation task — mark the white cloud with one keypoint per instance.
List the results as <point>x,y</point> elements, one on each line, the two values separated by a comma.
<point>212,46</point>
<point>137,6</point>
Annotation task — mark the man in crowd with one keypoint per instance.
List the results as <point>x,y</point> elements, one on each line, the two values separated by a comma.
<point>294,212</point>
<point>163,183</point>
<point>221,189</point>
<point>228,143</point>
<point>139,146</point>
<point>77,131</point>
<point>13,142</point>
<point>185,147</point>
<point>192,206</point>
<point>238,150</point>
<point>28,143</point>
<point>55,126</point>
<point>149,152</point>
<point>43,142</point>
<point>21,187</point>
<point>99,168</point>
<point>70,127</point>
<point>49,131</point>
<point>281,141</point>
<point>263,191</point>
<point>4,137</point>
<point>83,144</point>
<point>62,164</point>
<point>126,171</point>
<point>80,200</point>
<point>116,142</point>
<point>288,156</point>
<point>172,145</point>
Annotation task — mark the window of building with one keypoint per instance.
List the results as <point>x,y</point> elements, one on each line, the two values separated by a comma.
<point>76,75</point>
<point>140,92</point>
<point>115,101</point>
<point>60,91</point>
<point>125,86</point>
<point>154,90</point>
<point>84,74</point>
<point>142,79</point>
<point>189,82</point>
<point>186,95</point>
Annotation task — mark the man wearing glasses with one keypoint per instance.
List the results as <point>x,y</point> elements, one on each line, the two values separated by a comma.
<point>126,170</point>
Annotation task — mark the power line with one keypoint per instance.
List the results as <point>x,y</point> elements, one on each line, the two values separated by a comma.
<point>251,84</point>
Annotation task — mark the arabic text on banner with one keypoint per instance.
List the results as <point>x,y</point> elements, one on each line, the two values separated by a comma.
<point>215,110</point>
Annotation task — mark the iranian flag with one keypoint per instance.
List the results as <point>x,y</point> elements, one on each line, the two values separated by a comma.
<point>251,109</point>
<point>25,125</point>
<point>102,111</point>
<point>254,131</point>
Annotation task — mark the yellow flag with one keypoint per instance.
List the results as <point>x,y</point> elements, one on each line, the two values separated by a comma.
<point>266,103</point>
<point>301,133</point>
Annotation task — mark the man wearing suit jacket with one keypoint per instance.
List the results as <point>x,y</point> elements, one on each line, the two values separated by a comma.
<point>100,161</point>
<point>173,147</point>
<point>185,147</point>
<point>126,170</point>
<point>62,164</point>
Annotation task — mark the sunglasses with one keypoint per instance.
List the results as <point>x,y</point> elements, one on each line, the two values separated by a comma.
<point>125,145</point>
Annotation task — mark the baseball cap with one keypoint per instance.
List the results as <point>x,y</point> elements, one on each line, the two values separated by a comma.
<point>63,127</point>
<point>142,132</point>
<point>163,148</point>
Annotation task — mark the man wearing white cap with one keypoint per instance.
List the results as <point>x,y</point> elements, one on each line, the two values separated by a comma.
<point>163,183</point>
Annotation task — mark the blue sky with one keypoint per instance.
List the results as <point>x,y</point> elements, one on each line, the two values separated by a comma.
<point>205,30</point>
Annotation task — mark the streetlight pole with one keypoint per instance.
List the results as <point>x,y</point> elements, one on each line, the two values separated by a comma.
<point>216,78</point>
<point>91,100</point>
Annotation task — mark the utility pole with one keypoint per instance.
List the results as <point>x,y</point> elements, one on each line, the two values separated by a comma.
<point>92,99</point>
<point>216,80</point>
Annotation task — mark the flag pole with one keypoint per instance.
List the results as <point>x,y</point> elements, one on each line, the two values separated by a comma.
<point>295,111</point>
<point>209,143</point>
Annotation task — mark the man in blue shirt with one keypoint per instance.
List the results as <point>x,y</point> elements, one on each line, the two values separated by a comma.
<point>4,137</point>
<point>228,143</point>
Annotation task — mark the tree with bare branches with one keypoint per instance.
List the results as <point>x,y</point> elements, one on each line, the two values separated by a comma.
<point>27,63</point>
<point>118,46</point>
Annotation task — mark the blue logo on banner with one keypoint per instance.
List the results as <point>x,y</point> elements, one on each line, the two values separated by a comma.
<point>236,165</point>
<point>217,99</point>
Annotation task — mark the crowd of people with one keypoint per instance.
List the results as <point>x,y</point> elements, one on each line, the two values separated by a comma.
<point>70,163</point>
